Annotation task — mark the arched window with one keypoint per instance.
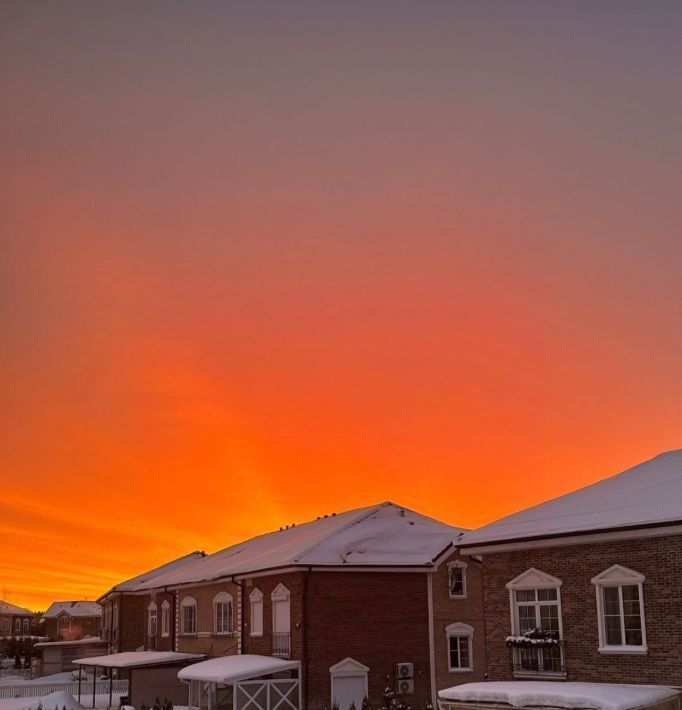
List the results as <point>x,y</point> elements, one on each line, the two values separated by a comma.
<point>281,621</point>
<point>188,616</point>
<point>17,626</point>
<point>256,600</point>
<point>349,683</point>
<point>620,609</point>
<point>152,620</point>
<point>165,618</point>
<point>460,647</point>
<point>27,627</point>
<point>222,613</point>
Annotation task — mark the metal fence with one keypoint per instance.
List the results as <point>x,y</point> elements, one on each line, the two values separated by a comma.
<point>38,690</point>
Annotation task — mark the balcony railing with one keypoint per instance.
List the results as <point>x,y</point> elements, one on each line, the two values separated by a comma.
<point>543,661</point>
<point>281,644</point>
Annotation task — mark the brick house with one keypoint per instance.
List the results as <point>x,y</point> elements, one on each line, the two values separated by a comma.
<point>15,621</point>
<point>124,610</point>
<point>72,620</point>
<point>367,599</point>
<point>595,576</point>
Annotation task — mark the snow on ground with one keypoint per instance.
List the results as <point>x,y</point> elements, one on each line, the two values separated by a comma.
<point>43,680</point>
<point>101,701</point>
<point>520,694</point>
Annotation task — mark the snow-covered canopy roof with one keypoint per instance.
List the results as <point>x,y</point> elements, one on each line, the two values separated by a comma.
<point>649,493</point>
<point>134,583</point>
<point>138,659</point>
<point>383,535</point>
<point>233,669</point>
<point>74,609</point>
<point>595,696</point>
<point>13,609</point>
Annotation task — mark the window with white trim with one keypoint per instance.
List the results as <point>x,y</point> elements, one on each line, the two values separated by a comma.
<point>281,610</point>
<point>114,620</point>
<point>188,616</point>
<point>460,647</point>
<point>535,599</point>
<point>6,626</point>
<point>620,610</point>
<point>457,579</point>
<point>152,620</point>
<point>27,627</point>
<point>222,613</point>
<point>17,627</point>
<point>165,619</point>
<point>256,615</point>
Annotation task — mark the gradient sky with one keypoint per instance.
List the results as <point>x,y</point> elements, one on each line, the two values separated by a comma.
<point>262,261</point>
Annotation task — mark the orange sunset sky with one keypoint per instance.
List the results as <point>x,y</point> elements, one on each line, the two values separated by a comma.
<point>263,261</point>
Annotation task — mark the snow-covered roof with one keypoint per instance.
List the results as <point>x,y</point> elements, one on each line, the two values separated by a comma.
<point>135,659</point>
<point>12,609</point>
<point>134,583</point>
<point>383,535</point>
<point>73,608</point>
<point>646,494</point>
<point>232,669</point>
<point>595,696</point>
<point>86,641</point>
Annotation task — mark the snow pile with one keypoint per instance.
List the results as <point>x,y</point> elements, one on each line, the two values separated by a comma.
<point>646,494</point>
<point>59,700</point>
<point>588,696</point>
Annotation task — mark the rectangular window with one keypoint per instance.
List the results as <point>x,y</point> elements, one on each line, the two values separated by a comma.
<point>457,580</point>
<point>151,626</point>
<point>189,619</point>
<point>165,620</point>
<point>622,613</point>
<point>223,617</point>
<point>257,617</point>
<point>459,652</point>
<point>537,610</point>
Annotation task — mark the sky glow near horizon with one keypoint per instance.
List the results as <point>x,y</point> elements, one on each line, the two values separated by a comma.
<point>264,261</point>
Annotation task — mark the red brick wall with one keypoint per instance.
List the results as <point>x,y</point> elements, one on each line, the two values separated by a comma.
<point>658,559</point>
<point>206,640</point>
<point>378,619</point>
<point>469,611</point>
<point>132,622</point>
<point>12,621</point>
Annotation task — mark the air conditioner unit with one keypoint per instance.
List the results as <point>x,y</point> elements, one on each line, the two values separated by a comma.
<point>404,686</point>
<point>404,670</point>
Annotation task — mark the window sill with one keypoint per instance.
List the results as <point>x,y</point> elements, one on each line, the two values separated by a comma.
<point>256,635</point>
<point>630,650</point>
<point>224,633</point>
<point>461,670</point>
<point>458,596</point>
<point>188,635</point>
<point>165,636</point>
<point>540,675</point>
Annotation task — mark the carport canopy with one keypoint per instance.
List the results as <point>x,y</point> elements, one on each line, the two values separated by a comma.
<point>227,670</point>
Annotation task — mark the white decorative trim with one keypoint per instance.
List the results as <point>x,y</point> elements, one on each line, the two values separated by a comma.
<point>280,593</point>
<point>533,579</point>
<point>165,613</point>
<point>256,597</point>
<point>618,576</point>
<point>460,630</point>
<point>223,597</point>
<point>349,668</point>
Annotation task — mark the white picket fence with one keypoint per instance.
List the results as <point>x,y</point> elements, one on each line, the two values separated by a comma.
<point>38,690</point>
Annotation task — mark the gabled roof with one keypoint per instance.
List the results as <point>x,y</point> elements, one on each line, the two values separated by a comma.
<point>647,494</point>
<point>14,610</point>
<point>383,535</point>
<point>135,583</point>
<point>73,609</point>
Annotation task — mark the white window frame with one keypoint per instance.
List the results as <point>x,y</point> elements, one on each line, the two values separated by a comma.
<point>27,627</point>
<point>279,594</point>
<point>536,579</point>
<point>619,576</point>
<point>460,630</point>
<point>458,564</point>
<point>256,612</point>
<point>219,599</point>
<point>165,619</point>
<point>187,603</point>
<point>348,668</point>
<point>152,613</point>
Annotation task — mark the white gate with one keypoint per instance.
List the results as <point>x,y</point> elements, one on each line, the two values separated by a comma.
<point>271,694</point>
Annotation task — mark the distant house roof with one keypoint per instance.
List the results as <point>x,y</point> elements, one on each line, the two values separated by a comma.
<point>383,535</point>
<point>73,609</point>
<point>13,610</point>
<point>645,495</point>
<point>135,583</point>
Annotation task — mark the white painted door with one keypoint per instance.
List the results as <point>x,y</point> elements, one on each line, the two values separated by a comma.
<point>349,689</point>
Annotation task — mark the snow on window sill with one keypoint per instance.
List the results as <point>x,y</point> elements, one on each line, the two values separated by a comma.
<point>460,670</point>
<point>641,650</point>
<point>256,634</point>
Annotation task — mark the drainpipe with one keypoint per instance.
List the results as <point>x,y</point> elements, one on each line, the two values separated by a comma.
<point>240,616</point>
